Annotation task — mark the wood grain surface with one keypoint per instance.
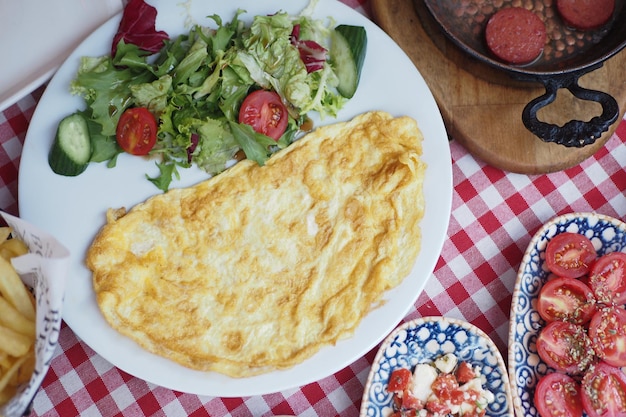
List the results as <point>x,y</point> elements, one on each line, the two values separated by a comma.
<point>482,107</point>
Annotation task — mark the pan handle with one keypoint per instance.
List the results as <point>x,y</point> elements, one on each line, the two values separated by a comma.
<point>575,133</point>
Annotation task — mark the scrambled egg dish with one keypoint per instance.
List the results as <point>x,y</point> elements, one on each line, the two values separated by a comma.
<point>258,268</point>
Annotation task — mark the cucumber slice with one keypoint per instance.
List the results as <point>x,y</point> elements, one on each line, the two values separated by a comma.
<point>347,53</point>
<point>71,148</point>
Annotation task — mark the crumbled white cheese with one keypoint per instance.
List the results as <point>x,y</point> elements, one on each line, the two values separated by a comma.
<point>446,363</point>
<point>423,377</point>
<point>476,384</point>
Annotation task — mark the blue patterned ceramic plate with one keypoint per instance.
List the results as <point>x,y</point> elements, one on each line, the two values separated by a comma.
<point>422,341</point>
<point>525,366</point>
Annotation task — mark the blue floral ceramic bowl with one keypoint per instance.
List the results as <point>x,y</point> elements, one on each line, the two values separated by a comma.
<point>422,341</point>
<point>525,366</point>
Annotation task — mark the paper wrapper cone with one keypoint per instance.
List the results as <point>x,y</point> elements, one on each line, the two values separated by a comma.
<point>43,269</point>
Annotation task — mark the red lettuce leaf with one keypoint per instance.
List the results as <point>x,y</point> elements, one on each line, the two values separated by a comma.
<point>311,53</point>
<point>137,27</point>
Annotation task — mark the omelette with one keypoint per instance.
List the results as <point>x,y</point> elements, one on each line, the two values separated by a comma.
<point>258,268</point>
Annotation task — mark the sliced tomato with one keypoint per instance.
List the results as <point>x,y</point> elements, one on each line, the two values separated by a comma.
<point>397,401</point>
<point>136,131</point>
<point>566,299</point>
<point>444,385</point>
<point>438,406</point>
<point>607,331</point>
<point>265,112</point>
<point>607,278</point>
<point>464,372</point>
<point>409,402</point>
<point>400,380</point>
<point>604,391</point>
<point>459,396</point>
<point>570,255</point>
<point>565,347</point>
<point>557,394</point>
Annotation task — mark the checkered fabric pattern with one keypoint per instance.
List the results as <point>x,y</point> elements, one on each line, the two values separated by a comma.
<point>494,215</point>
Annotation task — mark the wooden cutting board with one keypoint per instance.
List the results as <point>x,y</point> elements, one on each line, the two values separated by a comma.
<point>482,107</point>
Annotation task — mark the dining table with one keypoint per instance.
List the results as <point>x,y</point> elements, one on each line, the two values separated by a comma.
<point>494,215</point>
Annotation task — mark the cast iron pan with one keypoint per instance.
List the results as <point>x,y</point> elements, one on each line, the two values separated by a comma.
<point>568,55</point>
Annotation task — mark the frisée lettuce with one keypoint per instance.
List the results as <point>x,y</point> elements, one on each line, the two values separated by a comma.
<point>195,84</point>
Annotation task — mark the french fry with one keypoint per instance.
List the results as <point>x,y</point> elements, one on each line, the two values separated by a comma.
<point>17,320</point>
<point>5,362</point>
<point>14,343</point>
<point>5,233</point>
<point>10,373</point>
<point>11,318</point>
<point>7,394</point>
<point>11,248</point>
<point>13,289</point>
<point>25,370</point>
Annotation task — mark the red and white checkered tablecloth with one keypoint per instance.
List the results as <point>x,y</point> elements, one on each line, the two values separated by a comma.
<point>494,215</point>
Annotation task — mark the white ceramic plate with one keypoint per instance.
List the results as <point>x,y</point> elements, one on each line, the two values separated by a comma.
<point>73,209</point>
<point>525,367</point>
<point>424,340</point>
<point>36,36</point>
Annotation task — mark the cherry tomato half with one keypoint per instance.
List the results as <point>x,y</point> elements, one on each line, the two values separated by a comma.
<point>565,347</point>
<point>566,299</point>
<point>570,254</point>
<point>604,391</point>
<point>557,394</point>
<point>607,331</point>
<point>136,131</point>
<point>265,112</point>
<point>607,278</point>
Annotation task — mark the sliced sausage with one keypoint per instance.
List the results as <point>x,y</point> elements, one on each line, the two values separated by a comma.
<point>585,14</point>
<point>515,35</point>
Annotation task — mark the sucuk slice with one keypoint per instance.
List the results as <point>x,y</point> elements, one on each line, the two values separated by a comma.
<point>515,35</point>
<point>585,14</point>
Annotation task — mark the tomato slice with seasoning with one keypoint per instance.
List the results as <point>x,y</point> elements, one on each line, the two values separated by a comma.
<point>604,391</point>
<point>444,386</point>
<point>265,112</point>
<point>557,394</point>
<point>565,347</point>
<point>464,372</point>
<point>607,331</point>
<point>566,299</point>
<point>136,131</point>
<point>400,380</point>
<point>409,402</point>
<point>607,278</point>
<point>438,407</point>
<point>570,254</point>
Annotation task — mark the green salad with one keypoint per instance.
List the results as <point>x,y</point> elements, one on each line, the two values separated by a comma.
<point>211,95</point>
